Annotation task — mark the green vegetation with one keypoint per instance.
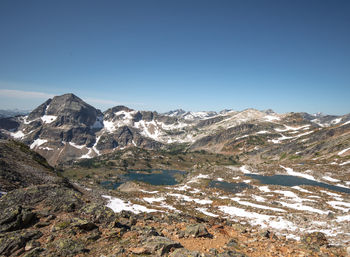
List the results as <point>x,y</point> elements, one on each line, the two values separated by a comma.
<point>255,140</point>
<point>283,156</point>
<point>111,165</point>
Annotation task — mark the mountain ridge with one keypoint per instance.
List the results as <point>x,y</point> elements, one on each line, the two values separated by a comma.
<point>66,128</point>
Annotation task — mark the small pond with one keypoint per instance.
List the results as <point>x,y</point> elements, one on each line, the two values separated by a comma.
<point>229,187</point>
<point>287,180</point>
<point>153,177</point>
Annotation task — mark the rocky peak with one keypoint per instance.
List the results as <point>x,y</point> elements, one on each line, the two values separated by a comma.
<point>116,109</point>
<point>177,112</point>
<point>66,109</point>
<point>39,111</point>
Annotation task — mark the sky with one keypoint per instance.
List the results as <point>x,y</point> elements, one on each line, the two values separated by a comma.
<point>169,54</point>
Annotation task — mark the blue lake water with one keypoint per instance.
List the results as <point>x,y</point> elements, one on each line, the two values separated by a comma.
<point>287,180</point>
<point>153,177</point>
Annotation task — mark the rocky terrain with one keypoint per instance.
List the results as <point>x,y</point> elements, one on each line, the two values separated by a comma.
<point>140,183</point>
<point>58,218</point>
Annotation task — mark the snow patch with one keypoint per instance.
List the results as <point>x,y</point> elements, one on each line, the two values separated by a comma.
<point>331,179</point>
<point>330,193</point>
<point>335,205</point>
<point>259,219</point>
<point>344,151</point>
<point>336,121</point>
<point>288,128</point>
<point>94,146</point>
<point>48,118</point>
<point>118,205</point>
<point>259,198</point>
<point>38,142</point>
<point>343,218</point>
<point>244,170</point>
<point>204,211</point>
<point>98,123</point>
<point>301,207</point>
<point>271,118</point>
<point>76,146</point>
<point>256,205</point>
<point>291,172</point>
<point>301,189</point>
<point>189,199</point>
<point>18,134</point>
<point>148,192</point>
<point>264,189</point>
<point>109,126</point>
<point>262,132</point>
<point>153,199</point>
<point>344,163</point>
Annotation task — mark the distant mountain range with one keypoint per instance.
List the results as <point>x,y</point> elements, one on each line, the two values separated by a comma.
<point>66,128</point>
<point>12,113</point>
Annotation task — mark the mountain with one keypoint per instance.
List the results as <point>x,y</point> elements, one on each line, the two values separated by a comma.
<point>190,115</point>
<point>66,128</point>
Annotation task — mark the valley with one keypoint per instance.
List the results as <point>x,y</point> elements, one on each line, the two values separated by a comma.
<point>253,179</point>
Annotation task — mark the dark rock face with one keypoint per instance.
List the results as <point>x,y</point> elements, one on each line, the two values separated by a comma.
<point>63,119</point>
<point>9,123</point>
<point>39,111</point>
<point>69,109</point>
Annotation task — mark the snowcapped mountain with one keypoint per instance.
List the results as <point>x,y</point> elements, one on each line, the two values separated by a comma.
<point>190,115</point>
<point>66,128</point>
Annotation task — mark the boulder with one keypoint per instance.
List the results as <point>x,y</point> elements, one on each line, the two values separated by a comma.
<point>197,230</point>
<point>11,242</point>
<point>15,218</point>
<point>315,239</point>
<point>161,245</point>
<point>83,224</point>
<point>182,252</point>
<point>69,247</point>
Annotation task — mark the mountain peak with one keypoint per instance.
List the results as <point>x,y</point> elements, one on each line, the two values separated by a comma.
<point>69,108</point>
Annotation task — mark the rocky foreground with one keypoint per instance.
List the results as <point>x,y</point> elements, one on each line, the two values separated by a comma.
<point>44,214</point>
<point>65,220</point>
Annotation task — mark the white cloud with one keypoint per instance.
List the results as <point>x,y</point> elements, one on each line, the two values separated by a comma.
<point>24,94</point>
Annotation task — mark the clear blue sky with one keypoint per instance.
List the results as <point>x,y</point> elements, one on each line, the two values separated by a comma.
<point>190,54</point>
